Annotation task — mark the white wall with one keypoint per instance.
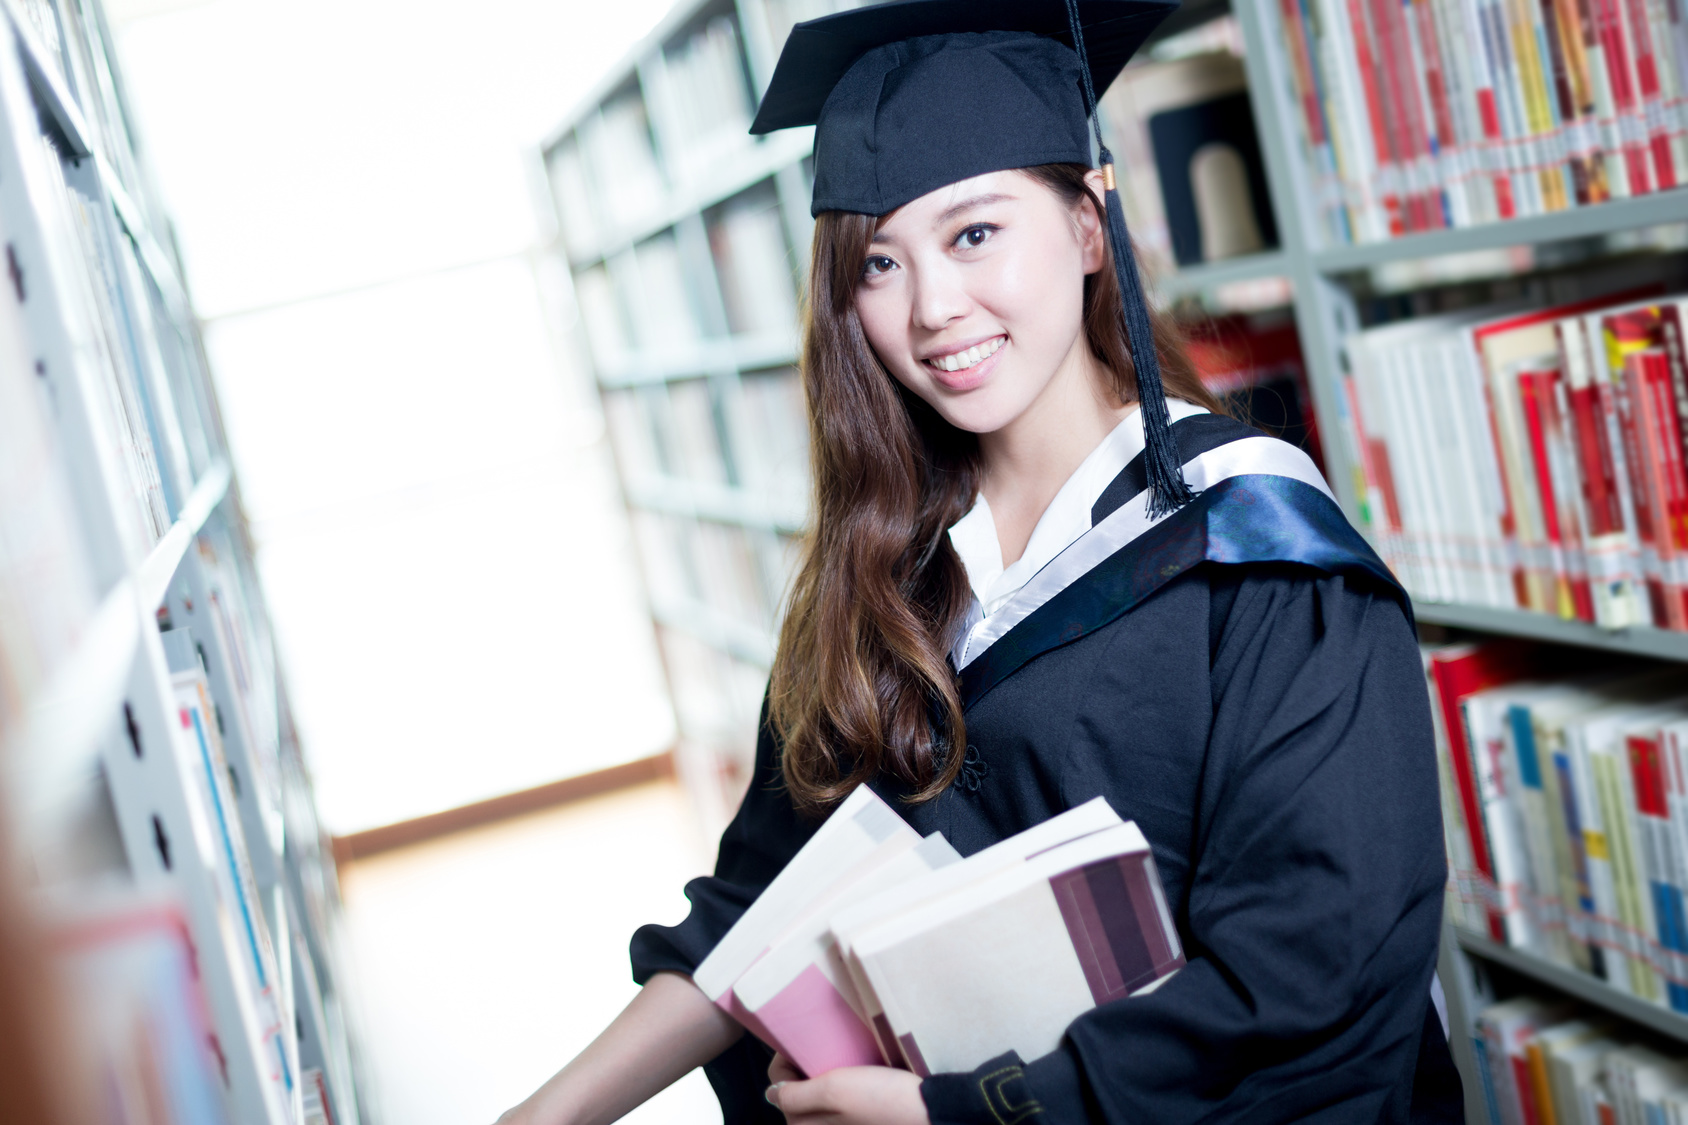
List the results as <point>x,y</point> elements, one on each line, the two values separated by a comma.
<point>439,533</point>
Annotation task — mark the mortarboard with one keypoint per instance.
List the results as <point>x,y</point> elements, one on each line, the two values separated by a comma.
<point>912,95</point>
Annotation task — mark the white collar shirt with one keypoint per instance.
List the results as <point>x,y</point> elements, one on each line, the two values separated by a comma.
<point>1062,523</point>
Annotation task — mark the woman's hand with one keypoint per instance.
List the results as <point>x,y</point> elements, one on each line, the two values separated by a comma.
<point>851,1095</point>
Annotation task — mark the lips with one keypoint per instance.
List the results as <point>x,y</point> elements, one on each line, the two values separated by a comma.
<point>964,358</point>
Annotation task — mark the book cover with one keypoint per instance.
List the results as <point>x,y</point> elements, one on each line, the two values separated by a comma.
<point>959,985</point>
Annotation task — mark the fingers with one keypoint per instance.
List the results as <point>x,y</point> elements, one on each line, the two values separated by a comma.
<point>781,1070</point>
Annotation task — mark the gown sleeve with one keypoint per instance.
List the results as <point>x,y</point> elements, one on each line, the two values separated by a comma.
<point>763,836</point>
<point>1315,893</point>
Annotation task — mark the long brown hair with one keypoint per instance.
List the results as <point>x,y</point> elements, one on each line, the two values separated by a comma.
<point>861,683</point>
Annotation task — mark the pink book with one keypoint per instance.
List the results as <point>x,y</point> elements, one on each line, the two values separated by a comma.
<point>799,992</point>
<point>861,834</point>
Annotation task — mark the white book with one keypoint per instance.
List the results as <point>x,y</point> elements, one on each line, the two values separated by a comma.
<point>800,992</point>
<point>862,832</point>
<point>1007,963</point>
<point>1095,815</point>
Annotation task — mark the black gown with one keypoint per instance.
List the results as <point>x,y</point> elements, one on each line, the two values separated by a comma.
<point>1251,694</point>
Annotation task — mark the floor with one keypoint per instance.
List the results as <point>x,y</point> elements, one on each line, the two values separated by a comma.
<point>487,959</point>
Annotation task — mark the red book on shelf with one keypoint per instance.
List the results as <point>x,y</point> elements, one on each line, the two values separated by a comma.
<point>1458,672</point>
<point>1647,374</point>
<point>1388,167</point>
<point>1545,429</point>
<point>1626,132</point>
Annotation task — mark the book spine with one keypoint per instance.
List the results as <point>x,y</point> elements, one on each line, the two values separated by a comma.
<point>1612,565</point>
<point>1671,481</point>
<point>1321,157</point>
<point>1534,388</point>
<point>1652,810</point>
<point>1634,906</point>
<point>1596,847</point>
<point>1367,49</point>
<point>1563,101</point>
<point>1482,52</point>
<point>1350,114</point>
<point>1524,770</point>
<point>1465,758</point>
<point>1646,503</point>
<point>1567,489</point>
<point>1438,112</point>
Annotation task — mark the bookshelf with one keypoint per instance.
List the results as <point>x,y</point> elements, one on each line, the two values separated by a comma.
<point>1327,281</point>
<point>132,607</point>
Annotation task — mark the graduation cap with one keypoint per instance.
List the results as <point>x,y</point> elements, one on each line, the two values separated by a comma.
<point>910,96</point>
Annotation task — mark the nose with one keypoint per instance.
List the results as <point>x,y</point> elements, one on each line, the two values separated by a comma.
<point>939,297</point>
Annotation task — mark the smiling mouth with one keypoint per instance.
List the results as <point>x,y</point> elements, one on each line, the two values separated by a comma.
<point>967,357</point>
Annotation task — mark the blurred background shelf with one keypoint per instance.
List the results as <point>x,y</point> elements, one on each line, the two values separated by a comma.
<point>1611,217</point>
<point>1659,644</point>
<point>1580,985</point>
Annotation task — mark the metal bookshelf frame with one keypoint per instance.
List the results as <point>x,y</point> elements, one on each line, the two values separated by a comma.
<point>107,721</point>
<point>1322,279</point>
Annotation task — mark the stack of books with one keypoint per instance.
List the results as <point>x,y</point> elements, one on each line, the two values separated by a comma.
<point>1530,458</point>
<point>877,947</point>
<point>1566,810</point>
<point>1544,1060</point>
<point>1432,114</point>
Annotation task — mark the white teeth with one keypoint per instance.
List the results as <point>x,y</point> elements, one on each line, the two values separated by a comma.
<point>978,353</point>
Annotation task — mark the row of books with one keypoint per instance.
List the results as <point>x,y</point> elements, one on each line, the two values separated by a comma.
<point>875,946</point>
<point>1543,1060</point>
<point>658,299</point>
<point>735,571</point>
<point>687,116</point>
<point>1433,114</point>
<point>709,97</point>
<point>751,433</point>
<point>1566,810</point>
<point>1530,457</point>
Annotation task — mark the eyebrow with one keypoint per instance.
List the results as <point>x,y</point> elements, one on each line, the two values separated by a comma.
<point>969,204</point>
<point>960,208</point>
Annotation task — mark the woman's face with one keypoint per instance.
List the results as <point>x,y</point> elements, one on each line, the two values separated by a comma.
<point>973,296</point>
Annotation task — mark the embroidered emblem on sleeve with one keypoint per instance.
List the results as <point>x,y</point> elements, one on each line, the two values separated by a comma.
<point>1006,1094</point>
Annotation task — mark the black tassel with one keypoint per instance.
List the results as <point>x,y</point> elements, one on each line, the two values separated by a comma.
<point>1168,490</point>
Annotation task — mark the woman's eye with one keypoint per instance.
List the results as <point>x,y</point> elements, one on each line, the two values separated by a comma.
<point>974,236</point>
<point>878,264</point>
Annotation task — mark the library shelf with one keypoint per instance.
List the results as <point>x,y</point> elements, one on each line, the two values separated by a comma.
<point>152,578</point>
<point>716,628</point>
<point>759,159</point>
<point>1588,989</point>
<point>59,739</point>
<point>47,79</point>
<point>706,500</point>
<point>158,263</point>
<point>1611,217</point>
<point>1190,280</point>
<point>1660,644</point>
<point>723,354</point>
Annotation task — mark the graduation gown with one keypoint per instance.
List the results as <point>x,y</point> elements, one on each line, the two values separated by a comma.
<point>1243,681</point>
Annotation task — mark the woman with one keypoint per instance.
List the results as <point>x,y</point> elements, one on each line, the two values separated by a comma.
<point>1033,580</point>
